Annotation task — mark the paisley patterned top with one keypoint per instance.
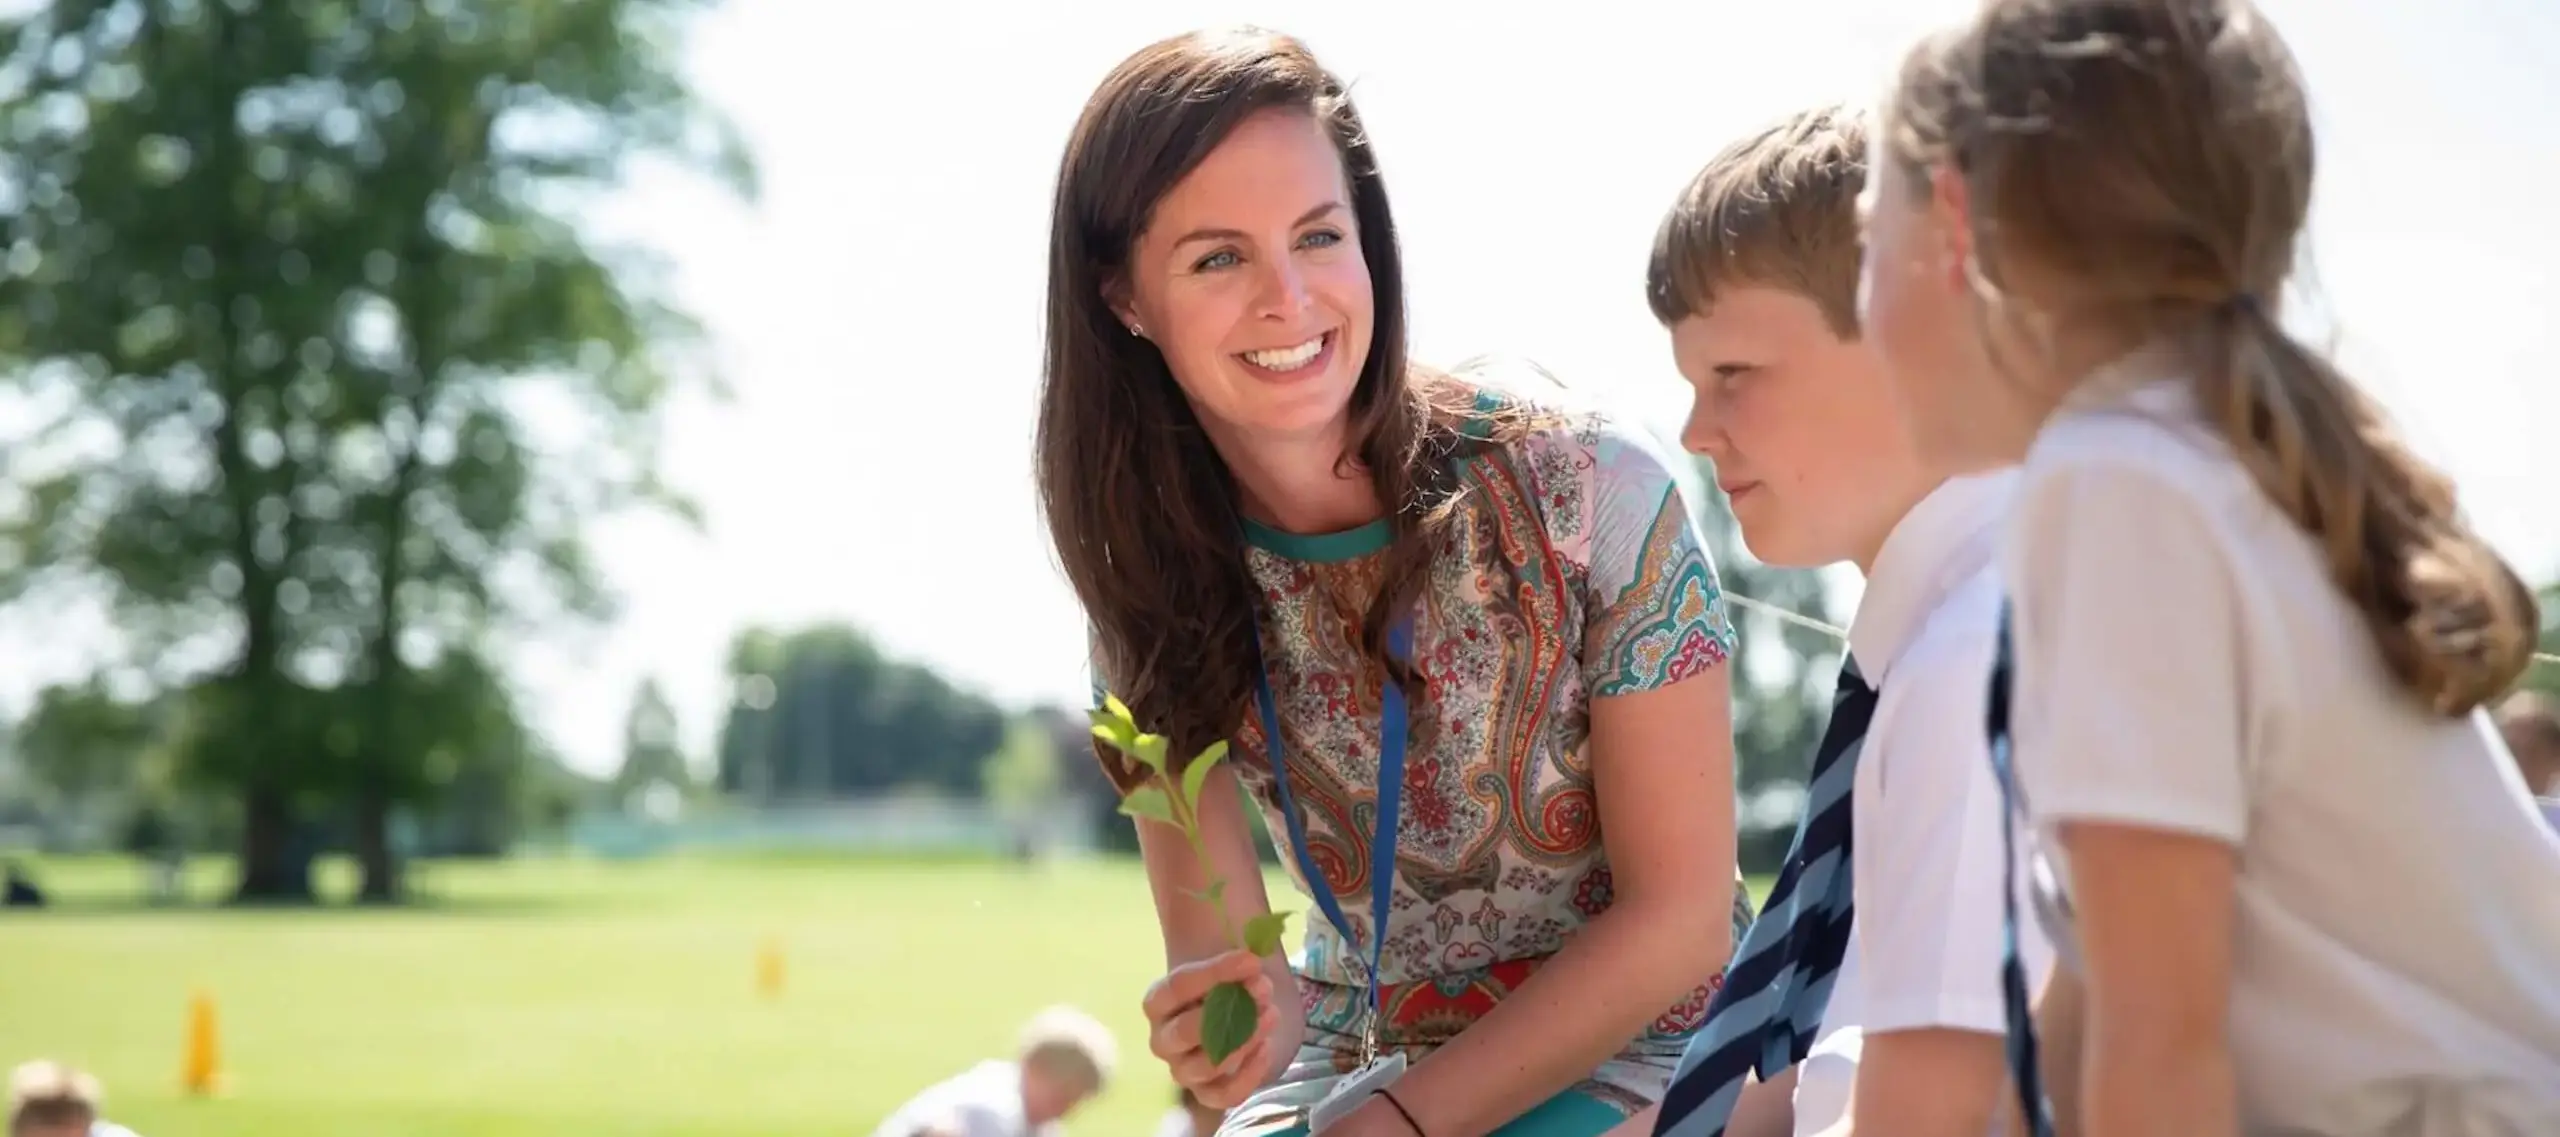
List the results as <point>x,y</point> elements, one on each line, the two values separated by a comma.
<point>1573,571</point>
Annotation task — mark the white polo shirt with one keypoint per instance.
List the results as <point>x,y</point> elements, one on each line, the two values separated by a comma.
<point>1926,808</point>
<point>2185,665</point>
<point>983,1101</point>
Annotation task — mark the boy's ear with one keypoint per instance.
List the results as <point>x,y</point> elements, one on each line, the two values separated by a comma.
<point>1951,207</point>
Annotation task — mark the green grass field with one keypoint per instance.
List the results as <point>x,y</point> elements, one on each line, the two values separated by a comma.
<point>574,998</point>
<point>578,999</point>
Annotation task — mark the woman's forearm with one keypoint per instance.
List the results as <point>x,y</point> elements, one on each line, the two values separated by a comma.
<point>1612,978</point>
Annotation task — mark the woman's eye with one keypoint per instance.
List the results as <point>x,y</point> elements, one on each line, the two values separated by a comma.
<point>1223,258</point>
<point>1320,239</point>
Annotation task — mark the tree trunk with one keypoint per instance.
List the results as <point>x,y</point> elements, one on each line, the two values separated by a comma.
<point>270,870</point>
<point>273,867</point>
<point>379,863</point>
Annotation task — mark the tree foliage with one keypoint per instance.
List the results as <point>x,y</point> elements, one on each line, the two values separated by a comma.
<point>325,376</point>
<point>821,712</point>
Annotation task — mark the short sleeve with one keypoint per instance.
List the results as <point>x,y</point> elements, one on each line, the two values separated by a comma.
<point>1654,612</point>
<point>2130,687</point>
<point>1931,927</point>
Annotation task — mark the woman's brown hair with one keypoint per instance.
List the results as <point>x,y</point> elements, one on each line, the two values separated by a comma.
<point>1141,508</point>
<point>2143,167</point>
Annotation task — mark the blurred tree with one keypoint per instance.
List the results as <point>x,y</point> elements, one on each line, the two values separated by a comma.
<point>651,756</point>
<point>281,279</point>
<point>2545,675</point>
<point>1783,674</point>
<point>82,741</point>
<point>822,713</point>
<point>1023,774</point>
<point>480,745</point>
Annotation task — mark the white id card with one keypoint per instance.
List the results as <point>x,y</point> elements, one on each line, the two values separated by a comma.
<point>1348,1094</point>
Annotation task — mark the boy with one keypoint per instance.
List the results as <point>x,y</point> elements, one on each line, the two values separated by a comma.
<point>1754,273</point>
<point>49,1099</point>
<point>1064,1060</point>
<point>2530,720</point>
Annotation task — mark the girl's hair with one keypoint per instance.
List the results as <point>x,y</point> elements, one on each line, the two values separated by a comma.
<point>2143,167</point>
<point>1141,509</point>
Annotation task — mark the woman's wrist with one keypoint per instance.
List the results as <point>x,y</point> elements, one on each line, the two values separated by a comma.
<point>1388,1095</point>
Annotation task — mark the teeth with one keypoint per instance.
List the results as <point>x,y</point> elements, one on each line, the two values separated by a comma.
<point>1287,358</point>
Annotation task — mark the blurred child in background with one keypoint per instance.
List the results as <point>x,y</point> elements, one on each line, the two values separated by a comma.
<point>49,1099</point>
<point>1064,1061</point>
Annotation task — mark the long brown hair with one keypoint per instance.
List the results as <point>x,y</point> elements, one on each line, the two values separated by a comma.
<point>2143,167</point>
<point>1141,508</point>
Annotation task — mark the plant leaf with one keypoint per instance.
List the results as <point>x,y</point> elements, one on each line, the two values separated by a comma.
<point>1148,802</point>
<point>1109,734</point>
<point>1262,933</point>
<point>1117,709</point>
<point>1149,749</point>
<point>1216,893</point>
<point>1227,1020</point>
<point>1197,773</point>
<point>1117,733</point>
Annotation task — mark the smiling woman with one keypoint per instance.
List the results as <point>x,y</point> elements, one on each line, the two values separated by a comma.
<point>1465,645</point>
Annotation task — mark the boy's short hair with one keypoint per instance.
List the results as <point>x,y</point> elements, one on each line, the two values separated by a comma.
<point>1070,1045</point>
<point>45,1093</point>
<point>1778,209</point>
<point>2534,717</point>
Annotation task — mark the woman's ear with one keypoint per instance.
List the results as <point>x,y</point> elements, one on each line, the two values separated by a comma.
<point>1951,212</point>
<point>1123,307</point>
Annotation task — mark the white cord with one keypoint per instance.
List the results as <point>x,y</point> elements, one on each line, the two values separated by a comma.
<point>1797,618</point>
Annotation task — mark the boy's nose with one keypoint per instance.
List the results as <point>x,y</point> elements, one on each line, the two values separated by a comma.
<point>1702,434</point>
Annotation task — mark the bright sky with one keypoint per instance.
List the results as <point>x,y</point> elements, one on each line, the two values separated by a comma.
<point>877,315</point>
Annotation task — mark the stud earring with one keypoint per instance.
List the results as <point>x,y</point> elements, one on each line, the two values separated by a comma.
<point>1137,331</point>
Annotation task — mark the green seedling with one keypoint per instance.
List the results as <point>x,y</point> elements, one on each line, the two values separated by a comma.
<point>1172,798</point>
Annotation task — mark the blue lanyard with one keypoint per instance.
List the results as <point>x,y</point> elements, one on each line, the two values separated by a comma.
<point>1382,843</point>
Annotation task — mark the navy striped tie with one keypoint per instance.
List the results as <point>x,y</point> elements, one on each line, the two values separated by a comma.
<point>2024,1072</point>
<point>1770,1008</point>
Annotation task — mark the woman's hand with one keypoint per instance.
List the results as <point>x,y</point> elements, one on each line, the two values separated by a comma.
<point>1173,1006</point>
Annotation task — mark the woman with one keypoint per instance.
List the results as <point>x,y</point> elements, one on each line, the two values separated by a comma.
<point>1241,470</point>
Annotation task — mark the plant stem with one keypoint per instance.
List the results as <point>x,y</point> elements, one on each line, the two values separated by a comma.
<point>1182,812</point>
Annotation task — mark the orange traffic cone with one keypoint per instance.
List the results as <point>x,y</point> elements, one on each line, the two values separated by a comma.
<point>201,1072</point>
<point>769,968</point>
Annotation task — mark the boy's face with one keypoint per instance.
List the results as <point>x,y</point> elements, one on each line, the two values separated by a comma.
<point>1800,425</point>
<point>59,1127</point>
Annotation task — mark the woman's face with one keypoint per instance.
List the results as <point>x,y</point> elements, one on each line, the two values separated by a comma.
<point>1250,280</point>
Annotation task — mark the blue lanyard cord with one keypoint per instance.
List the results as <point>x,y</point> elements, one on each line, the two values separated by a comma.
<point>1382,842</point>
<point>2026,1063</point>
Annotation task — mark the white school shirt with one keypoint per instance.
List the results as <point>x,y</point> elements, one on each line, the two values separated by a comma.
<point>983,1101</point>
<point>1830,1068</point>
<point>2185,664</point>
<point>1929,929</point>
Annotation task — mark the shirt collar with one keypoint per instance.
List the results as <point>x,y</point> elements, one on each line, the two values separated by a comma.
<point>1947,538</point>
<point>2149,379</point>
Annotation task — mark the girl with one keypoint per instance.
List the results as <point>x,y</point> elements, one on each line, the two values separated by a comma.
<point>2253,633</point>
<point>1286,534</point>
